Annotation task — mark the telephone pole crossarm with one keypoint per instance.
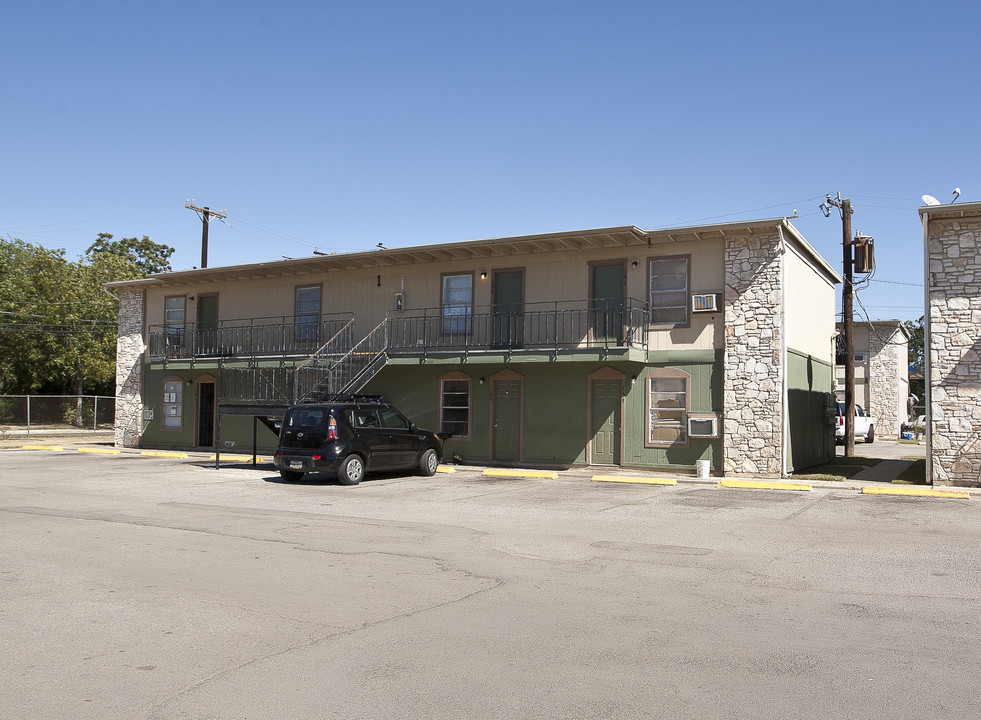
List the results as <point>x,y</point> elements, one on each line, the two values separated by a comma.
<point>205,213</point>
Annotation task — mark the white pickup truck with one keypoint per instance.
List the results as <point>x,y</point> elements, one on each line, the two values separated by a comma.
<point>864,427</point>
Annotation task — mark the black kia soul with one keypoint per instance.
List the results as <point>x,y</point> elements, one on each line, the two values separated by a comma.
<point>351,435</point>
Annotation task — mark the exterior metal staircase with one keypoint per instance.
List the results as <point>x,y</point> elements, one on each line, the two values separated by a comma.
<point>347,374</point>
<point>337,366</point>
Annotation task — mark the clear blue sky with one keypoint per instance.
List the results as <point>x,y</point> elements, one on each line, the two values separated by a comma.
<point>338,125</point>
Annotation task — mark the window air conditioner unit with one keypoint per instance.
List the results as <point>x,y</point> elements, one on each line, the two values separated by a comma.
<point>703,427</point>
<point>707,302</point>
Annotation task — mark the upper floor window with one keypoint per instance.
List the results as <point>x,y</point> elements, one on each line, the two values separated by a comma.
<point>457,303</point>
<point>174,317</point>
<point>841,356</point>
<point>307,312</point>
<point>667,407</point>
<point>669,289</point>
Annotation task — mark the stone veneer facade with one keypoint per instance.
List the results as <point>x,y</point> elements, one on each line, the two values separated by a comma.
<point>753,360</point>
<point>129,369</point>
<point>888,352</point>
<point>954,323</point>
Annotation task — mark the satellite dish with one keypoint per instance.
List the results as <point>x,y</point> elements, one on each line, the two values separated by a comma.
<point>929,200</point>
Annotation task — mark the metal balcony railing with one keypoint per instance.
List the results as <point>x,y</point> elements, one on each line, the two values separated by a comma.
<point>541,326</point>
<point>252,337</point>
<point>341,365</point>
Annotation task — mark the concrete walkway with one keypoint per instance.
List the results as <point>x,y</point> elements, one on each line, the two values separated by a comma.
<point>885,471</point>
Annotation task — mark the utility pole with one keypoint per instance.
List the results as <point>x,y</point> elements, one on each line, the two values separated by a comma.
<point>205,214</point>
<point>844,206</point>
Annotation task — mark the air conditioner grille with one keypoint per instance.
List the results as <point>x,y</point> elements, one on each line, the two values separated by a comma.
<point>704,303</point>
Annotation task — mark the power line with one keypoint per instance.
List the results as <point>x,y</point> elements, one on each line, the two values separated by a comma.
<point>76,222</point>
<point>743,212</point>
<point>896,282</point>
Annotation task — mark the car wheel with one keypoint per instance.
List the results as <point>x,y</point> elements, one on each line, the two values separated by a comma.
<point>290,475</point>
<point>351,470</point>
<point>871,436</point>
<point>428,463</point>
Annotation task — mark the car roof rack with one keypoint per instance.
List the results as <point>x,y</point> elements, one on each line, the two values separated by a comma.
<point>345,398</point>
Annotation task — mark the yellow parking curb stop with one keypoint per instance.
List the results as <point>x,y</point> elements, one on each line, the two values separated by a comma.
<point>56,448</point>
<point>522,473</point>
<point>100,451</point>
<point>152,453</point>
<point>763,485</point>
<point>918,492</point>
<point>631,479</point>
<point>445,469</point>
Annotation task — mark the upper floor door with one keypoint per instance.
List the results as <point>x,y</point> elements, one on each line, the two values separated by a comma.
<point>207,325</point>
<point>607,291</point>
<point>508,297</point>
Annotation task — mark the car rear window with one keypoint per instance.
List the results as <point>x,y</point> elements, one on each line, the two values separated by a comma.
<point>307,418</point>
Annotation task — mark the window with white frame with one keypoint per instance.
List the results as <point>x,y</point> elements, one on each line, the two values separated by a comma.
<point>667,408</point>
<point>457,303</point>
<point>173,404</point>
<point>454,406</point>
<point>668,280</point>
<point>174,310</point>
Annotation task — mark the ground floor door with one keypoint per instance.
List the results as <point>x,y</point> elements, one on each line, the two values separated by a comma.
<point>506,420</point>
<point>206,414</point>
<point>604,413</point>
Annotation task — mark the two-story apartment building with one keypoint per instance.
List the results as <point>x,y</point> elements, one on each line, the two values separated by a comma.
<point>881,372</point>
<point>612,346</point>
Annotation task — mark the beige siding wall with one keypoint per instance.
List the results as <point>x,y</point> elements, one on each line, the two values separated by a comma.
<point>706,330</point>
<point>810,308</point>
<point>549,277</point>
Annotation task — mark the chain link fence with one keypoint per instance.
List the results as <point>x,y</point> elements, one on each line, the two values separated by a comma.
<point>24,414</point>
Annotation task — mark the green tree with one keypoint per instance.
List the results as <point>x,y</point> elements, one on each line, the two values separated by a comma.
<point>149,257</point>
<point>915,330</point>
<point>29,279</point>
<point>58,322</point>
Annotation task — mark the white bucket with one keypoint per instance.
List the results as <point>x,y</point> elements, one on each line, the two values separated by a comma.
<point>702,468</point>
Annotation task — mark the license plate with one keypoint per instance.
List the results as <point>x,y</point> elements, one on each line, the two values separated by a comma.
<point>296,464</point>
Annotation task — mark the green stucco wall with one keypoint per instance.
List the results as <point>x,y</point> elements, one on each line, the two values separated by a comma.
<point>555,414</point>
<point>812,436</point>
<point>555,408</point>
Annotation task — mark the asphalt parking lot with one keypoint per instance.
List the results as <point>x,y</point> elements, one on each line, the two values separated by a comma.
<point>156,587</point>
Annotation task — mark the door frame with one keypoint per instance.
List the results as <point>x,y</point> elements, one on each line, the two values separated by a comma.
<point>205,380</point>
<point>206,337</point>
<point>604,373</point>
<point>592,265</point>
<point>494,302</point>
<point>507,376</point>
